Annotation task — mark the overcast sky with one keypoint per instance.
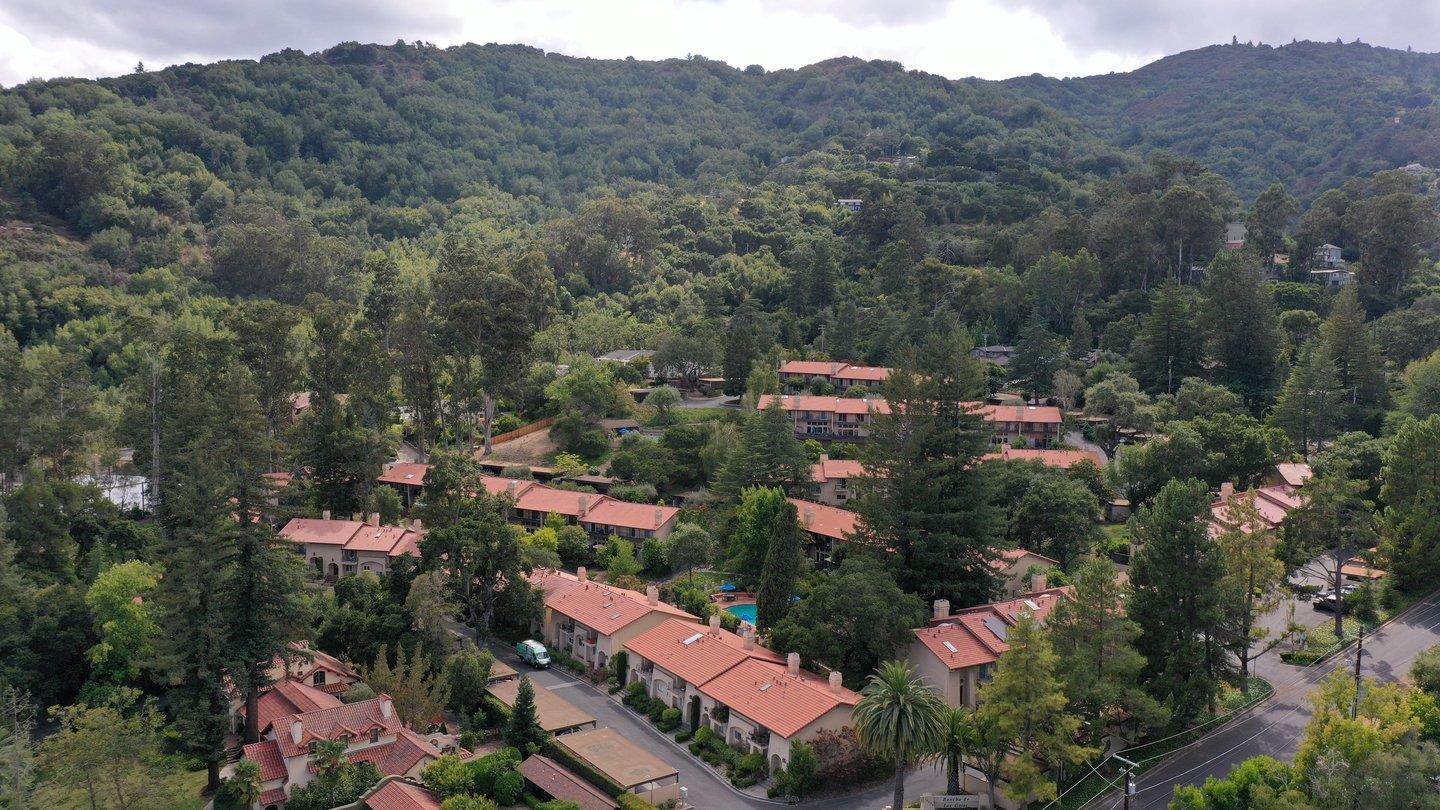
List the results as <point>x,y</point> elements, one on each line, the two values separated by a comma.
<point>955,38</point>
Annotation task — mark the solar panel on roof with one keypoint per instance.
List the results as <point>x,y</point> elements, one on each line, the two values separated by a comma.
<point>997,627</point>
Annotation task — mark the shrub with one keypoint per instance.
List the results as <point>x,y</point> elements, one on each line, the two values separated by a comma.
<point>630,801</point>
<point>684,735</point>
<point>703,735</point>
<point>751,764</point>
<point>508,787</point>
<point>654,710</point>
<point>669,719</point>
<point>556,804</point>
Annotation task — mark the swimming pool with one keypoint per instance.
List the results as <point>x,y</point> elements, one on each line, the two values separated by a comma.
<point>745,612</point>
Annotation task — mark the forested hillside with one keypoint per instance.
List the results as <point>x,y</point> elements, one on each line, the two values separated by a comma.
<point>1310,115</point>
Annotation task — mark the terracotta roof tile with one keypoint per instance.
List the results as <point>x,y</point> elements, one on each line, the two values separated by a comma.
<point>401,795</point>
<point>810,368</point>
<point>707,655</point>
<point>273,796</point>
<point>827,469</point>
<point>1034,414</point>
<point>290,697</point>
<point>1061,459</point>
<point>863,373</point>
<point>398,757</point>
<point>596,605</point>
<point>266,754</point>
<point>623,514</point>
<point>826,521</point>
<point>404,472</point>
<point>846,405</point>
<point>783,703</point>
<point>320,531</point>
<point>969,638</point>
<point>329,724</point>
<point>498,485</point>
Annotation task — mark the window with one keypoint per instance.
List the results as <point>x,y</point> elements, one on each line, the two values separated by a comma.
<point>375,734</point>
<point>349,568</point>
<point>319,677</point>
<point>313,745</point>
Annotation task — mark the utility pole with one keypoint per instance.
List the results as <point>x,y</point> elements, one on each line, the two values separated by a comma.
<point>1129,777</point>
<point>1359,651</point>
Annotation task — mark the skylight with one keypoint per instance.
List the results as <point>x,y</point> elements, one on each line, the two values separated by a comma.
<point>949,646</point>
<point>614,616</point>
<point>1030,603</point>
<point>765,686</point>
<point>691,640</point>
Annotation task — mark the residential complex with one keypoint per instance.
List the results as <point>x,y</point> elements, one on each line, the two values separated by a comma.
<point>336,548</point>
<point>1059,459</point>
<point>840,375</point>
<point>956,652</point>
<point>850,418</point>
<point>834,479</point>
<point>592,620</point>
<point>751,697</point>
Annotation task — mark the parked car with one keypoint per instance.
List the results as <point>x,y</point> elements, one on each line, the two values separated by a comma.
<point>533,653</point>
<point>1327,601</point>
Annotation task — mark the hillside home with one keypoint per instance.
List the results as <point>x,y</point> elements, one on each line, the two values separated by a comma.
<point>1332,278</point>
<point>997,354</point>
<point>1328,256</point>
<point>826,527</point>
<point>956,652</point>
<point>601,516</point>
<point>370,729</point>
<point>1037,424</point>
<point>407,478</point>
<point>1273,502</point>
<point>592,620</point>
<point>336,548</point>
<point>1059,459</point>
<point>841,375</point>
<point>833,479</point>
<point>826,417</point>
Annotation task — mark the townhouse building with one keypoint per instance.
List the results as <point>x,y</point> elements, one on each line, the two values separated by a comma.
<point>839,374</point>
<point>592,620</point>
<point>834,479</point>
<point>751,697</point>
<point>826,527</point>
<point>370,730</point>
<point>956,651</point>
<point>336,548</point>
<point>1059,459</point>
<point>831,418</point>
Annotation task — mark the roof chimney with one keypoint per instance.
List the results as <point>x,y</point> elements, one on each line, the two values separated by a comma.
<point>296,732</point>
<point>581,574</point>
<point>374,518</point>
<point>748,634</point>
<point>325,515</point>
<point>835,680</point>
<point>942,608</point>
<point>715,623</point>
<point>511,487</point>
<point>387,707</point>
<point>652,594</point>
<point>416,524</point>
<point>808,516</point>
<point>792,663</point>
<point>1038,582</point>
<point>659,516</point>
<point>584,505</point>
<point>1227,490</point>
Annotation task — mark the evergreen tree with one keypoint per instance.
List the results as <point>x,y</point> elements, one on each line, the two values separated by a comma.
<point>761,510</point>
<point>924,502</point>
<point>1038,355</point>
<point>1409,524</point>
<point>742,347</point>
<point>1358,369</point>
<point>418,690</point>
<point>1176,598</point>
<point>781,570</point>
<point>482,555</point>
<point>1094,643</point>
<point>1265,226</point>
<point>1307,408</point>
<point>1023,708</point>
<point>769,455</point>
<point>1250,584</point>
<point>1244,336</point>
<point>522,729</point>
<point>1167,350</point>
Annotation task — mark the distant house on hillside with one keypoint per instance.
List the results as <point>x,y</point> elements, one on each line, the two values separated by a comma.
<point>1234,235</point>
<point>1328,256</point>
<point>852,204</point>
<point>997,354</point>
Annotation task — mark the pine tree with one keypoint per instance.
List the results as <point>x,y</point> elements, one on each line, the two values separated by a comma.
<point>781,570</point>
<point>1265,226</point>
<point>1359,373</point>
<point>522,729</point>
<point>742,347</point>
<point>769,455</point>
<point>1038,355</point>
<point>1024,709</point>
<point>1244,337</point>
<point>1167,350</point>
<point>1409,525</point>
<point>1176,596</point>
<point>1250,584</point>
<point>924,503</point>
<point>1307,408</point>
<point>1094,644</point>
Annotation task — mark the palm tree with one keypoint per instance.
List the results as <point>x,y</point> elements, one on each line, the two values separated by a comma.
<point>899,718</point>
<point>245,784</point>
<point>957,737</point>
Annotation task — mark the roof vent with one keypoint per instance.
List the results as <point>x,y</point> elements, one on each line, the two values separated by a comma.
<point>614,616</point>
<point>691,640</point>
<point>949,646</point>
<point>1030,603</point>
<point>765,686</point>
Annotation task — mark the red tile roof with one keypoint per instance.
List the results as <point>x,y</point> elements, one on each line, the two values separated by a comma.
<point>847,405</point>
<point>623,514</point>
<point>392,540</point>
<point>320,532</point>
<point>273,796</point>
<point>559,782</point>
<point>401,795</point>
<point>540,498</point>
<point>1294,474</point>
<point>783,703</point>
<point>827,469</point>
<point>1062,459</point>
<point>810,368</point>
<point>826,521</point>
<point>596,605</point>
<point>404,472</point>
<point>967,638</point>
<point>355,719</point>
<point>1032,414</point>
<point>266,754</point>
<point>863,373</point>
<point>498,485</point>
<point>396,758</point>
<point>290,697</point>
<point>707,655</point>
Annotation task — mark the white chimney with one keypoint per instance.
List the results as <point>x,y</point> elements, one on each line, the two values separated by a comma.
<point>942,608</point>
<point>325,515</point>
<point>375,518</point>
<point>749,635</point>
<point>715,623</point>
<point>295,731</point>
<point>808,517</point>
<point>659,516</point>
<point>387,708</point>
<point>511,487</point>
<point>584,505</point>
<point>581,574</point>
<point>792,663</point>
<point>652,594</point>
<point>1227,489</point>
<point>416,524</point>
<point>1038,582</point>
<point>835,682</point>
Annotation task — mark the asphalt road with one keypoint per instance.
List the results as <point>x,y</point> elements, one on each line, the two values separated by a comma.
<point>1277,726</point>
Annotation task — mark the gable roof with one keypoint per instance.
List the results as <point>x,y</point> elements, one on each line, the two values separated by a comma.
<point>399,794</point>
<point>826,521</point>
<point>619,760</point>
<point>266,755</point>
<point>540,498</point>
<point>766,693</point>
<point>863,373</point>
<point>319,531</point>
<point>827,469</point>
<point>643,516</point>
<point>561,783</point>
<point>397,757</point>
<point>1061,459</point>
<point>288,697</point>
<point>810,368</point>
<point>1294,474</point>
<point>404,472</point>
<point>976,636</point>
<point>1034,414</point>
<point>553,712</point>
<point>499,485</point>
<point>707,654</point>
<point>355,719</point>
<point>596,605</point>
<point>808,402</point>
